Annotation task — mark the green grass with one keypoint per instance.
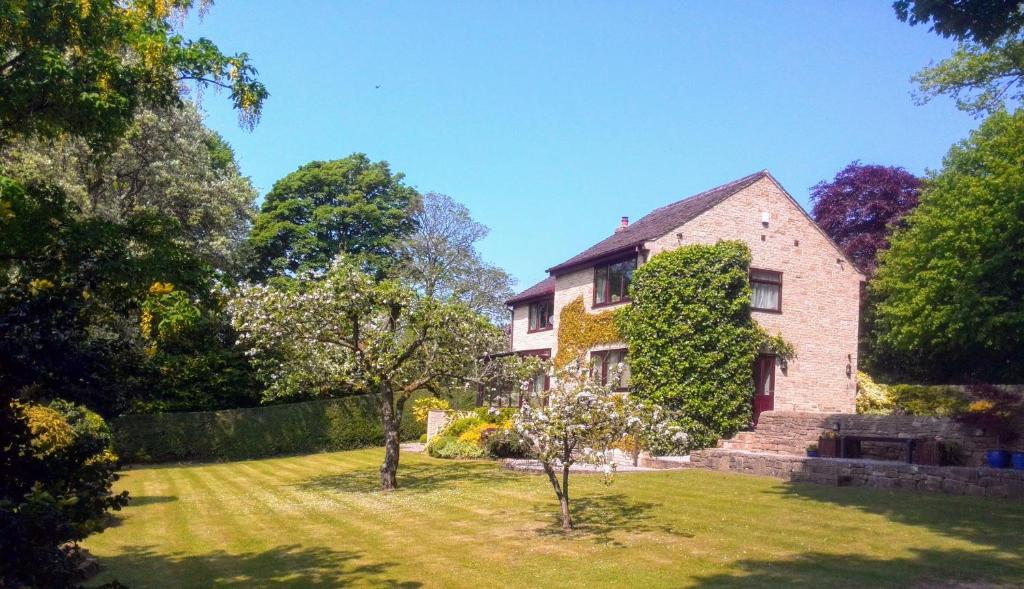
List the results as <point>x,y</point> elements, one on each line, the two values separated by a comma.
<point>316,521</point>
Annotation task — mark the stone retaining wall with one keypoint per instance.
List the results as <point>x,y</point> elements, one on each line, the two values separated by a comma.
<point>973,481</point>
<point>437,419</point>
<point>791,433</point>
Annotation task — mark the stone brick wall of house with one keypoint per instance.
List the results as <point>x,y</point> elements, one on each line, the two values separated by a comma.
<point>820,292</point>
<point>790,433</point>
<point>522,339</point>
<point>568,287</point>
<point>973,481</point>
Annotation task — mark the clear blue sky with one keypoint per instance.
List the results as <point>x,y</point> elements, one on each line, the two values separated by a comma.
<point>552,120</point>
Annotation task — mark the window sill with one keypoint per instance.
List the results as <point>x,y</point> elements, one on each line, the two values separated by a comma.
<point>603,305</point>
<point>772,311</point>
<point>541,330</point>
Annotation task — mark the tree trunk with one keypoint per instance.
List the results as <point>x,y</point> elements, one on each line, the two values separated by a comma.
<point>389,470</point>
<point>564,499</point>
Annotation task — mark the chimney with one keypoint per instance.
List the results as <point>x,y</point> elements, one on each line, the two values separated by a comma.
<point>623,223</point>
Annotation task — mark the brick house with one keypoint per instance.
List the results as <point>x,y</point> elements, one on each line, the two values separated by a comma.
<point>803,286</point>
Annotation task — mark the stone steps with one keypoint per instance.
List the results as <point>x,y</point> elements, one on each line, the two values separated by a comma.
<point>785,433</point>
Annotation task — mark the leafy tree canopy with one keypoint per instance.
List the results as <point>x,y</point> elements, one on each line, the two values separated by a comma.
<point>85,66</point>
<point>986,71</point>
<point>70,295</point>
<point>349,206</point>
<point>980,21</point>
<point>981,79</point>
<point>950,290</point>
<point>168,164</point>
<point>692,341</point>
<point>859,205</point>
<point>441,259</point>
<point>350,333</point>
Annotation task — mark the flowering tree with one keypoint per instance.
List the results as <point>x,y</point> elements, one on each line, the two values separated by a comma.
<point>498,376</point>
<point>647,426</point>
<point>577,420</point>
<point>344,333</point>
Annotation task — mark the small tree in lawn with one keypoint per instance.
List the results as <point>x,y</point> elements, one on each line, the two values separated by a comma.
<point>577,420</point>
<point>344,333</point>
<point>647,427</point>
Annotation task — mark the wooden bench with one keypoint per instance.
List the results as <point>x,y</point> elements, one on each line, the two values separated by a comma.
<point>844,440</point>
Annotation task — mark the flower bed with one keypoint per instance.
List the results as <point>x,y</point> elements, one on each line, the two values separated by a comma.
<point>477,434</point>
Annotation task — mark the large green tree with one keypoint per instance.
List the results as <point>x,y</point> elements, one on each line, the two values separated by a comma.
<point>441,258</point>
<point>981,21</point>
<point>349,206</point>
<point>86,66</point>
<point>949,293</point>
<point>70,284</point>
<point>986,71</point>
<point>169,163</point>
<point>172,187</point>
<point>71,296</point>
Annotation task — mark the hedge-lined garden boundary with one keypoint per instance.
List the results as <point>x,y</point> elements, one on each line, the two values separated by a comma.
<point>235,434</point>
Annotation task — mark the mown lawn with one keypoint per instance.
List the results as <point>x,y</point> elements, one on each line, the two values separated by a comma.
<point>316,521</point>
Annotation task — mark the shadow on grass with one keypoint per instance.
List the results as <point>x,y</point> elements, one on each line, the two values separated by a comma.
<point>413,477</point>
<point>115,519</point>
<point>924,569</point>
<point>140,500</point>
<point>282,567</point>
<point>598,517</point>
<point>994,523</point>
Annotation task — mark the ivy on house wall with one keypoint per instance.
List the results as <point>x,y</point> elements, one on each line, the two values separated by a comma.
<point>775,344</point>
<point>692,341</point>
<point>579,331</point>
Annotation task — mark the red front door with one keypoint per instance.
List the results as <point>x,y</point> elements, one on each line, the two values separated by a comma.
<point>764,384</point>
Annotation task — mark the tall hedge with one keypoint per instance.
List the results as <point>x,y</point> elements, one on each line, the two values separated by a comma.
<point>233,434</point>
<point>692,342</point>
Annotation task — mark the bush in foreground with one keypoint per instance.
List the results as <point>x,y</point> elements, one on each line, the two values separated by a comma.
<point>56,490</point>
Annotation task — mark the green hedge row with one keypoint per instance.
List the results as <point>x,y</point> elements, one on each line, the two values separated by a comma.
<point>234,434</point>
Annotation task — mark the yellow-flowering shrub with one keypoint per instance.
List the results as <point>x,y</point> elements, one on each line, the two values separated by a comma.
<point>873,398</point>
<point>51,433</point>
<point>161,288</point>
<point>39,286</point>
<point>579,331</point>
<point>422,407</point>
<point>980,406</point>
<point>473,434</point>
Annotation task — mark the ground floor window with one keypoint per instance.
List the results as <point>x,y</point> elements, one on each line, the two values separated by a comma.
<point>515,396</point>
<point>604,363</point>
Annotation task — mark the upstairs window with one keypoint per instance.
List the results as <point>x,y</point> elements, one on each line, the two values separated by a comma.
<point>604,364</point>
<point>611,282</point>
<point>765,290</point>
<point>542,314</point>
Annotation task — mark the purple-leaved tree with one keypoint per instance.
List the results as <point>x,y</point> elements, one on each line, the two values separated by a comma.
<point>857,207</point>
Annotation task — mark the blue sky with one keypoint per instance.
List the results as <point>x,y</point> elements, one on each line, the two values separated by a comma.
<point>552,120</point>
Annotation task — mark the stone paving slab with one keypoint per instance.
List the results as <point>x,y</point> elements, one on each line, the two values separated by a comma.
<point>527,465</point>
